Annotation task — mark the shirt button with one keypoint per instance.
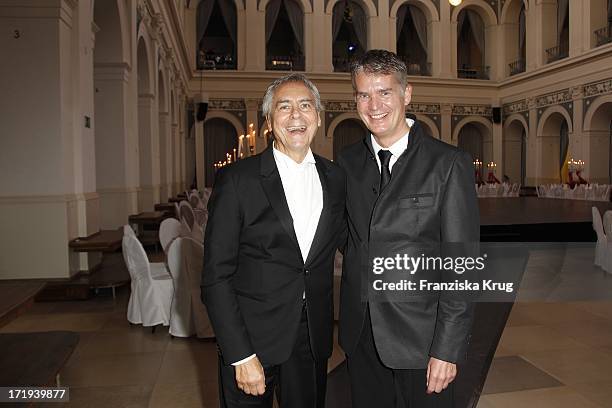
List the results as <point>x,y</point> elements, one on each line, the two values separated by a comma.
<point>306,272</point>
<point>374,190</point>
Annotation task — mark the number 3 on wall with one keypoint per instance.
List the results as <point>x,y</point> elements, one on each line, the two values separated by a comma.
<point>16,34</point>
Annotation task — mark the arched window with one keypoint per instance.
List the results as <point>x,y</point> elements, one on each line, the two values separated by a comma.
<point>518,66</point>
<point>561,50</point>
<point>603,29</point>
<point>471,46</point>
<point>216,34</point>
<point>284,36</point>
<point>349,33</point>
<point>411,29</point>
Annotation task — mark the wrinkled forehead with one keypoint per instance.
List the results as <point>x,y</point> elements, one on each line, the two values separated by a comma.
<point>292,92</point>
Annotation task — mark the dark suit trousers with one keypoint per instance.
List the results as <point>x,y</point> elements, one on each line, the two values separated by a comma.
<point>300,382</point>
<point>375,385</point>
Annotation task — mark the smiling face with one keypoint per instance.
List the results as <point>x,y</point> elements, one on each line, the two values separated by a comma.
<point>381,105</point>
<point>294,119</point>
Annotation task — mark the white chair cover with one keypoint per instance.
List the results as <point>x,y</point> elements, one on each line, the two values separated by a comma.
<point>188,315</point>
<point>151,285</point>
<point>169,229</point>
<point>201,216</point>
<point>197,233</point>
<point>187,214</point>
<point>206,195</point>
<point>600,248</point>
<point>127,230</point>
<point>194,200</point>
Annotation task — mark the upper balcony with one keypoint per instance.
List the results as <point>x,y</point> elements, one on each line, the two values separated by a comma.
<point>603,35</point>
<point>558,52</point>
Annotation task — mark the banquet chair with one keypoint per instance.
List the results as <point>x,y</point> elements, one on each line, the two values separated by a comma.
<point>194,200</point>
<point>206,195</point>
<point>151,285</point>
<point>197,233</point>
<point>201,216</point>
<point>169,229</point>
<point>600,247</point>
<point>128,230</point>
<point>187,214</point>
<point>188,315</point>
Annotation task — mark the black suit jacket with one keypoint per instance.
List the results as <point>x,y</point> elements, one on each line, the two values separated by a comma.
<point>430,199</point>
<point>254,276</point>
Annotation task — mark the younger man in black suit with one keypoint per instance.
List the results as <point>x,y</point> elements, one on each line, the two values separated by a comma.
<point>404,189</point>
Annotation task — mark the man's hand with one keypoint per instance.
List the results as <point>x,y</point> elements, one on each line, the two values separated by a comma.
<point>250,377</point>
<point>439,375</point>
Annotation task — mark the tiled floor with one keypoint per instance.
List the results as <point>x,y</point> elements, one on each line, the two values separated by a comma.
<point>118,365</point>
<point>570,343</point>
<point>550,355</point>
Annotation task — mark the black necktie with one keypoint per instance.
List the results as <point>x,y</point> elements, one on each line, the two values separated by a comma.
<point>385,172</point>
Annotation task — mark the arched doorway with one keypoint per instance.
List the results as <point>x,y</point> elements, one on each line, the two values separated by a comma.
<point>514,152</point>
<point>476,139</point>
<point>554,145</point>
<point>348,132</point>
<point>220,138</point>
<point>598,133</point>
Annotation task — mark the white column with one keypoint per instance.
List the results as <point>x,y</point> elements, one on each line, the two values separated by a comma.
<point>255,53</point>
<point>446,132</point>
<point>199,155</point>
<point>47,158</point>
<point>114,154</point>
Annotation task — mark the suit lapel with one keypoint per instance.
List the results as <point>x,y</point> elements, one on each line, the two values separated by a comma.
<point>324,219</point>
<point>273,187</point>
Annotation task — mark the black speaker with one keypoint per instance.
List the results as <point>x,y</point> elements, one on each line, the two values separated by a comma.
<point>202,109</point>
<point>497,117</point>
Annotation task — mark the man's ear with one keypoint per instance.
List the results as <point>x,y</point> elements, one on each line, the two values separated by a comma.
<point>318,119</point>
<point>408,94</point>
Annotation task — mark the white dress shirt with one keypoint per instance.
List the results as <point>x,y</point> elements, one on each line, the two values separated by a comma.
<point>396,148</point>
<point>304,196</point>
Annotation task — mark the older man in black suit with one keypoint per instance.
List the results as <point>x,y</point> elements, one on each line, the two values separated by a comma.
<point>274,224</point>
<point>404,188</point>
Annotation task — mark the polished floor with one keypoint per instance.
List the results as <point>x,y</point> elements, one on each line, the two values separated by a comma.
<point>551,354</point>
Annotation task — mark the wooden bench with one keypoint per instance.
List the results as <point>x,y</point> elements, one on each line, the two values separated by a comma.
<point>101,241</point>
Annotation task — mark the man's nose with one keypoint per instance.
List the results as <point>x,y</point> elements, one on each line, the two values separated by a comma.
<point>295,112</point>
<point>374,102</point>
